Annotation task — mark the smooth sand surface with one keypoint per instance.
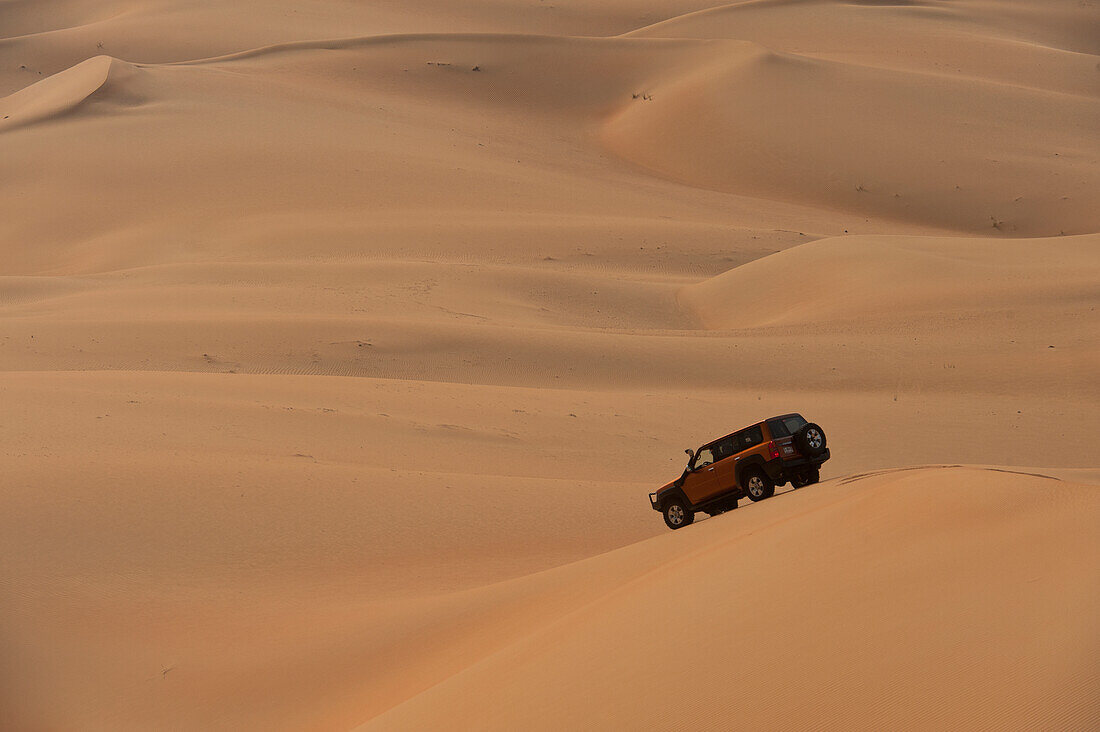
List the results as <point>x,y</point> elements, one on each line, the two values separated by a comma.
<point>340,344</point>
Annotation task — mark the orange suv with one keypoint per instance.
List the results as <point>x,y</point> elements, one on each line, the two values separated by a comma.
<point>750,462</point>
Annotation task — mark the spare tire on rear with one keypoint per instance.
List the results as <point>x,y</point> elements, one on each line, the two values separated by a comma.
<point>810,440</point>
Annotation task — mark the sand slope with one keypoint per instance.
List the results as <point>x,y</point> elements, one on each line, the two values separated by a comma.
<point>61,93</point>
<point>963,154</point>
<point>885,277</point>
<point>340,344</point>
<point>747,622</point>
<point>853,602</point>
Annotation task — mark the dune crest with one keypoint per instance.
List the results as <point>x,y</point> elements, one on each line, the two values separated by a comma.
<point>98,79</point>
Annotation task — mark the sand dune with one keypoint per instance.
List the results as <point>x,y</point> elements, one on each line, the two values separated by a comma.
<point>887,277</point>
<point>965,155</point>
<point>885,30</point>
<point>340,344</point>
<point>940,578</point>
<point>748,623</point>
<point>91,81</point>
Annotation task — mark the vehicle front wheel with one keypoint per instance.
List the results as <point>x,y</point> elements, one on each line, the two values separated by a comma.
<point>758,485</point>
<point>677,514</point>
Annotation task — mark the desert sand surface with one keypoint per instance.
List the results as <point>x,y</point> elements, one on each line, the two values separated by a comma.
<point>340,344</point>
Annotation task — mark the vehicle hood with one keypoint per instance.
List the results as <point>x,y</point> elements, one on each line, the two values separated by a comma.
<point>672,484</point>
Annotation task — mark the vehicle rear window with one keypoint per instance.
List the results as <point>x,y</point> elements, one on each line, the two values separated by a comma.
<point>786,426</point>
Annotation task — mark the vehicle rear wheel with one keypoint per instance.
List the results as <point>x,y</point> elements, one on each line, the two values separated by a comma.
<point>677,514</point>
<point>758,485</point>
<point>810,440</point>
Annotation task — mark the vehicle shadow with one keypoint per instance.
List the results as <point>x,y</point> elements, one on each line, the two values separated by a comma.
<point>745,502</point>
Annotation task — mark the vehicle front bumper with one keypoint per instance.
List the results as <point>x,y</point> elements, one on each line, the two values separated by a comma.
<point>653,501</point>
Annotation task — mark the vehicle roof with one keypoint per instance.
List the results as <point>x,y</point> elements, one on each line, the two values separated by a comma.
<point>762,421</point>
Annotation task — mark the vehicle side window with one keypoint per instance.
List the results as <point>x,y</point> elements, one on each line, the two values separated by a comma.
<point>704,457</point>
<point>724,449</point>
<point>751,437</point>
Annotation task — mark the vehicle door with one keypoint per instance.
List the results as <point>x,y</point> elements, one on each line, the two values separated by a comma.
<point>725,465</point>
<point>700,481</point>
<point>746,443</point>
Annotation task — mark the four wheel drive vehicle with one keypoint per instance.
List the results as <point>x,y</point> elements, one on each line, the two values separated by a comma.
<point>751,462</point>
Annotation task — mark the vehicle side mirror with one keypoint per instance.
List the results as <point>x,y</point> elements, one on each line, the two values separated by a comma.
<point>690,454</point>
